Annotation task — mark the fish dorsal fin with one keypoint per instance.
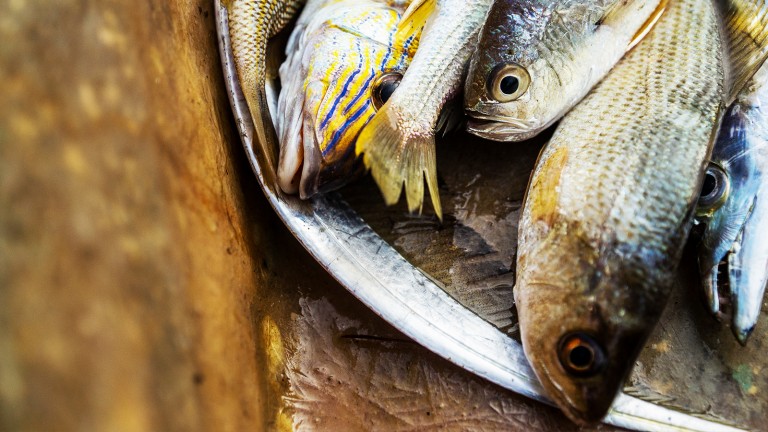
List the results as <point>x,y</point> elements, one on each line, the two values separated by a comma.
<point>616,16</point>
<point>413,20</point>
<point>746,31</point>
<point>649,24</point>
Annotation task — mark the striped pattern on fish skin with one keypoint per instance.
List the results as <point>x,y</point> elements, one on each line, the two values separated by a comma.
<point>609,206</point>
<point>746,29</point>
<point>735,228</point>
<point>340,50</point>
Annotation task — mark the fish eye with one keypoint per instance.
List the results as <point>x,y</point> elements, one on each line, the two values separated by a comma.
<point>581,355</point>
<point>714,191</point>
<point>384,86</point>
<point>507,82</point>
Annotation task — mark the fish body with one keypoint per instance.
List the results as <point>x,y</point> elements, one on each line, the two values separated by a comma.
<point>734,207</point>
<point>746,32</point>
<point>398,145</point>
<point>537,59</point>
<point>251,24</point>
<point>609,207</point>
<point>342,62</point>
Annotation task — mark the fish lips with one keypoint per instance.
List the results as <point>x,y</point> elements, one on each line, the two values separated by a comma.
<point>499,128</point>
<point>319,174</point>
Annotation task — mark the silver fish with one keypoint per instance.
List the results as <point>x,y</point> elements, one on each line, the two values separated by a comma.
<point>734,206</point>
<point>609,207</point>
<point>398,145</point>
<point>538,58</point>
<point>251,24</point>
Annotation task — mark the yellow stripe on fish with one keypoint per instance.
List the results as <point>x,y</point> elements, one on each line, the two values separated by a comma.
<point>341,57</point>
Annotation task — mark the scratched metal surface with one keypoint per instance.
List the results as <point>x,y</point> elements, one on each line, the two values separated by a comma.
<point>691,362</point>
<point>314,332</point>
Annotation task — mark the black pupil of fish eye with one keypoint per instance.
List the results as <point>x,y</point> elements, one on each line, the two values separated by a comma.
<point>581,357</point>
<point>387,88</point>
<point>710,184</point>
<point>509,85</point>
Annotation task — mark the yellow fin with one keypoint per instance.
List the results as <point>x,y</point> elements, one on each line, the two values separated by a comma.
<point>746,31</point>
<point>395,159</point>
<point>413,20</point>
<point>265,139</point>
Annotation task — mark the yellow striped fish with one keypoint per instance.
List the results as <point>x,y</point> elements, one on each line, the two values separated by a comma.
<point>342,65</point>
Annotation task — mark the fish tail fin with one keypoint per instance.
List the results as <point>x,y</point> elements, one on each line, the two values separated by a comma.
<point>413,20</point>
<point>265,142</point>
<point>394,158</point>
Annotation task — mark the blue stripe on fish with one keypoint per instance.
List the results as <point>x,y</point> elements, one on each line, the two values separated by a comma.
<point>363,91</point>
<point>338,134</point>
<point>343,93</point>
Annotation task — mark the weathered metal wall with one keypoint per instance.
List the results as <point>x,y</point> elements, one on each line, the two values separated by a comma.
<point>130,236</point>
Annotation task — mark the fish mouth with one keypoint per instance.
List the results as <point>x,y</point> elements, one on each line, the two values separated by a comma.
<point>299,168</point>
<point>503,129</point>
<point>736,284</point>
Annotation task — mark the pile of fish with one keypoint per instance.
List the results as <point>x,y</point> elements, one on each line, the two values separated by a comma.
<point>663,125</point>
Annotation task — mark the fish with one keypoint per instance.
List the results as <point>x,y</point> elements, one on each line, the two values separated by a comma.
<point>609,208</point>
<point>734,208</point>
<point>342,65</point>
<point>398,144</point>
<point>251,24</point>
<point>746,31</point>
<point>537,59</point>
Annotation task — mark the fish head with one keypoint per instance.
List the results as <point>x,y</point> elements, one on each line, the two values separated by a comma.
<point>536,60</point>
<point>342,72</point>
<point>584,315</point>
<point>748,269</point>
<point>731,206</point>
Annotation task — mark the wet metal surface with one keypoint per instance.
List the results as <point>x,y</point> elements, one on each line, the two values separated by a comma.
<point>691,362</point>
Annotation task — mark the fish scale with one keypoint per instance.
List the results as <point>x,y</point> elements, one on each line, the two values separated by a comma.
<point>398,145</point>
<point>746,23</point>
<point>609,205</point>
<point>252,23</point>
<point>554,51</point>
<point>341,53</point>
